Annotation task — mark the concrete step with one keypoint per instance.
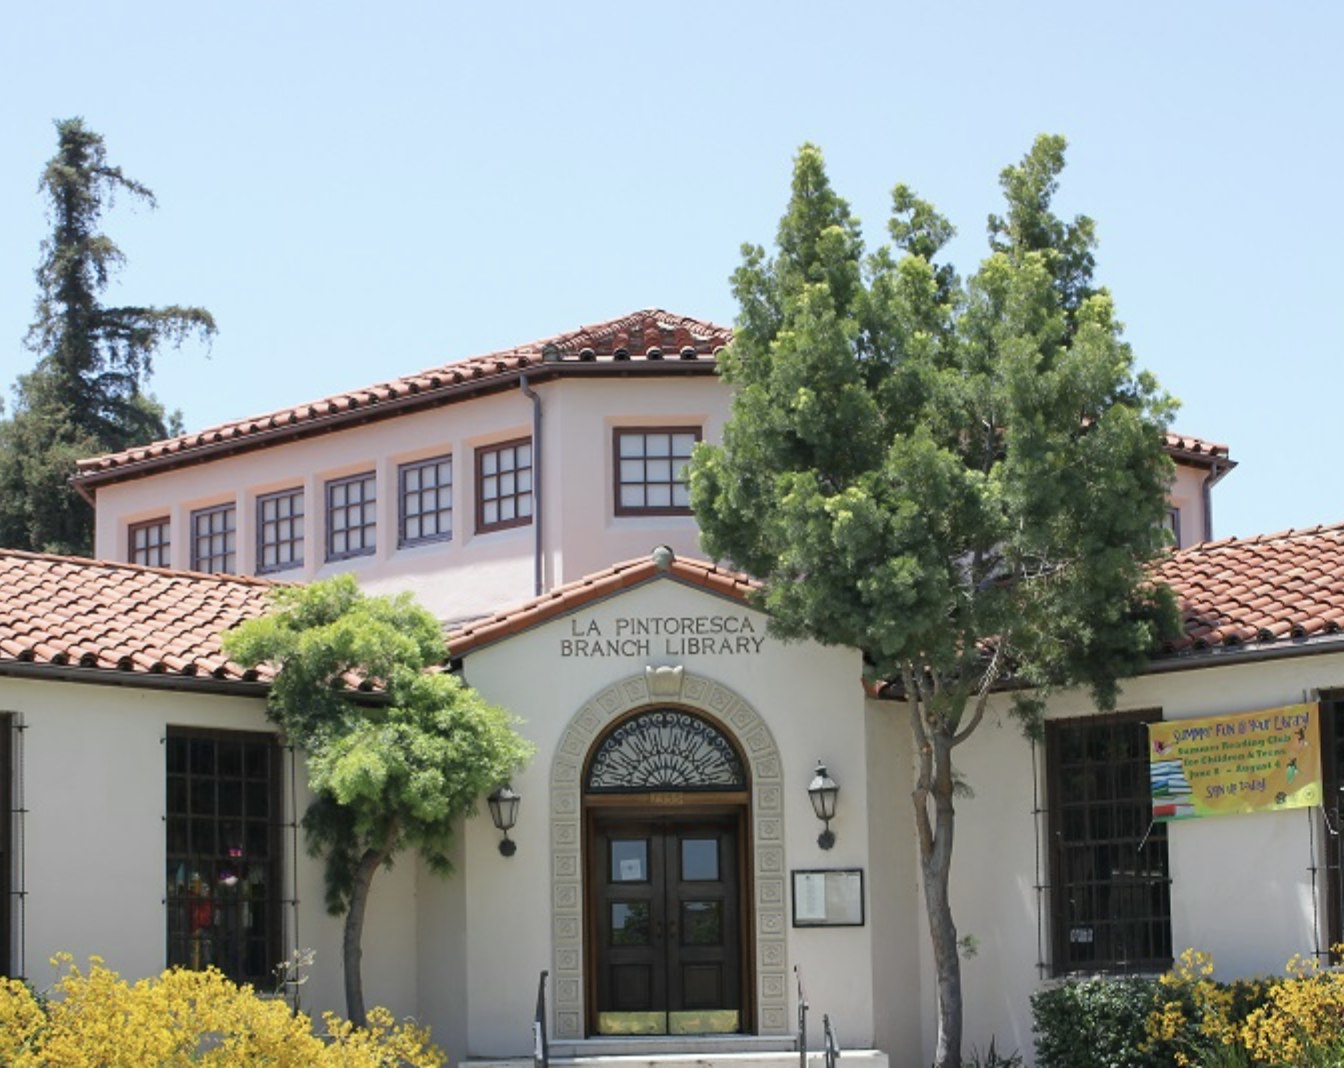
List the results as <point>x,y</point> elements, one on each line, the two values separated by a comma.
<point>720,1051</point>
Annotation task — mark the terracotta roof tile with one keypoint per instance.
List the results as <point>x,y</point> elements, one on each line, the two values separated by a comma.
<point>1259,591</point>
<point>577,351</point>
<point>61,610</point>
<point>615,579</point>
<point>641,342</point>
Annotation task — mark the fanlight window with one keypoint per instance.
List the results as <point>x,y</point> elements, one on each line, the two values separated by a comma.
<point>665,749</point>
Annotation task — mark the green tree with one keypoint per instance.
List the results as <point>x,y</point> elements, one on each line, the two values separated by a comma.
<point>964,481</point>
<point>85,396</point>
<point>391,770</point>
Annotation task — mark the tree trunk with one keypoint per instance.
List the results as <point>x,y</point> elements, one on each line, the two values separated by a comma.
<point>936,866</point>
<point>354,931</point>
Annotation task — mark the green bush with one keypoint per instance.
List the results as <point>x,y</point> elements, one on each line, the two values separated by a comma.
<point>1097,1023</point>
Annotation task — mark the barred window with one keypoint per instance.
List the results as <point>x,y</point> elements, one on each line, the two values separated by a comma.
<point>1110,885</point>
<point>651,470</point>
<point>1332,769</point>
<point>426,490</point>
<point>149,542</point>
<point>7,898</point>
<point>504,485</point>
<point>212,539</point>
<point>223,852</point>
<point>352,516</point>
<point>280,531</point>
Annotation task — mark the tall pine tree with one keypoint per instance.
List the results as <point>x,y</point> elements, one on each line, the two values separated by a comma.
<point>85,395</point>
<point>962,481</point>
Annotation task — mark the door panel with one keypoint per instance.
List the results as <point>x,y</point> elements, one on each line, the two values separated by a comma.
<point>666,926</point>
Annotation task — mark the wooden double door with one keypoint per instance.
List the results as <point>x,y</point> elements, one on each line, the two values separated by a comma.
<point>665,907</point>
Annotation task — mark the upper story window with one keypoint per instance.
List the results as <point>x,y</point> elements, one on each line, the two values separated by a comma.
<point>280,531</point>
<point>352,520</point>
<point>149,542</point>
<point>651,470</point>
<point>212,539</point>
<point>504,485</point>
<point>426,509</point>
<point>1174,527</point>
<point>1110,887</point>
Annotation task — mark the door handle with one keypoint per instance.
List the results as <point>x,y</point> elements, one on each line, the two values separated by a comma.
<point>658,930</point>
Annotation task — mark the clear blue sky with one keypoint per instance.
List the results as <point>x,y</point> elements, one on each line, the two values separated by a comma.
<point>358,190</point>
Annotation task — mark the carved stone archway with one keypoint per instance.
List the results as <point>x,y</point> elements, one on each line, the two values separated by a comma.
<point>767,819</point>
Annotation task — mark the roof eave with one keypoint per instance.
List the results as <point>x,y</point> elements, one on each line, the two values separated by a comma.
<point>376,411</point>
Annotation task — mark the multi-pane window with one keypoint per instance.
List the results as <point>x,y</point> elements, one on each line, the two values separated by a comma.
<point>223,852</point>
<point>651,470</point>
<point>280,531</point>
<point>6,844</point>
<point>504,485</point>
<point>1332,768</point>
<point>1110,888</point>
<point>212,539</point>
<point>352,516</point>
<point>149,542</point>
<point>426,488</point>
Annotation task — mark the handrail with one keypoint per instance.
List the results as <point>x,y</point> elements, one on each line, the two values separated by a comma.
<point>832,1041</point>
<point>801,1039</point>
<point>541,1046</point>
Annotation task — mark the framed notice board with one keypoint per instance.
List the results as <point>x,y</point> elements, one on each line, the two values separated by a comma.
<point>828,897</point>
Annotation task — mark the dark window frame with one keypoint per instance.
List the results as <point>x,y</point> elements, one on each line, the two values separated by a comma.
<point>368,531</point>
<point>190,911</point>
<point>294,542</point>
<point>496,449</point>
<point>439,513</point>
<point>1133,912</point>
<point>617,460</point>
<point>160,549</point>
<point>206,562</point>
<point>1332,780</point>
<point>8,724</point>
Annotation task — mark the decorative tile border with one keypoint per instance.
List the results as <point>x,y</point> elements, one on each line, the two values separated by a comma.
<point>735,716</point>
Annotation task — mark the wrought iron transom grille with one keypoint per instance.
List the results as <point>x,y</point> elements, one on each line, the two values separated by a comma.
<point>665,749</point>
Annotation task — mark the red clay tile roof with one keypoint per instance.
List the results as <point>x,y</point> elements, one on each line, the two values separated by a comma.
<point>651,341</point>
<point>1270,590</point>
<point>64,612</point>
<point>1275,592</point>
<point>645,342</point>
<point>1187,449</point>
<point>596,587</point>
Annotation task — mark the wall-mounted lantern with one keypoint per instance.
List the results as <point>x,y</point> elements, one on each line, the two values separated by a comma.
<point>823,790</point>
<point>504,814</point>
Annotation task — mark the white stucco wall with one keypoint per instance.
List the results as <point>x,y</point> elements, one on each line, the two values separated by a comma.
<point>1241,886</point>
<point>92,763</point>
<point>472,574</point>
<point>812,701</point>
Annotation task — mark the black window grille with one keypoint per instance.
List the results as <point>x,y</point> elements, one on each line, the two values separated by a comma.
<point>1332,770</point>
<point>224,818</point>
<point>1110,885</point>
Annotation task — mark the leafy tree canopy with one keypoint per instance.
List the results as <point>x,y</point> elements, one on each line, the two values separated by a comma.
<point>85,396</point>
<point>964,480</point>
<point>393,770</point>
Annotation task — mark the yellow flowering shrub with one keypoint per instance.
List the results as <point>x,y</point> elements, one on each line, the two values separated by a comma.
<point>1302,1022</point>
<point>188,1018</point>
<point>1296,1021</point>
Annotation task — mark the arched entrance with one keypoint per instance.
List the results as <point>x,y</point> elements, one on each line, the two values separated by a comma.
<point>637,805</point>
